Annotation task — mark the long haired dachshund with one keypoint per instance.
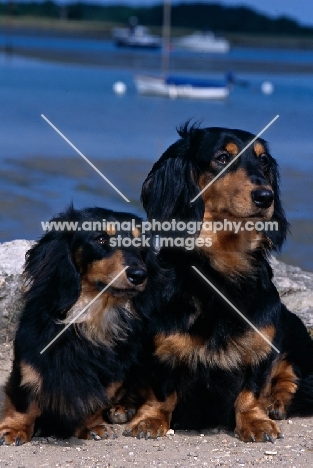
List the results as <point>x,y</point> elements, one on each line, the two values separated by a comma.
<point>210,367</point>
<point>68,389</point>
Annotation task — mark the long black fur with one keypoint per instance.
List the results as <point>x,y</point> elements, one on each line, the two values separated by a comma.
<point>75,371</point>
<point>180,302</point>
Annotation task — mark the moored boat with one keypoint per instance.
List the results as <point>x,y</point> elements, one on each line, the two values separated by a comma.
<point>179,86</point>
<point>136,37</point>
<point>203,42</point>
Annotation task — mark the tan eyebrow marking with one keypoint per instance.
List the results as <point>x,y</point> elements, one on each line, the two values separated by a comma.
<point>259,149</point>
<point>232,148</point>
<point>135,232</point>
<point>111,229</point>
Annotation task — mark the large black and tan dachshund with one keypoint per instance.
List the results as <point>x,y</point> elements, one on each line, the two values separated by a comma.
<point>210,367</point>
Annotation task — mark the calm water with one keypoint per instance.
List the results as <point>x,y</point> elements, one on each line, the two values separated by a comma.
<point>123,135</point>
<point>105,46</point>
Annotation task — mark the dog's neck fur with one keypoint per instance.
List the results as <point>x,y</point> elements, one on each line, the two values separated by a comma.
<point>232,254</point>
<point>105,320</point>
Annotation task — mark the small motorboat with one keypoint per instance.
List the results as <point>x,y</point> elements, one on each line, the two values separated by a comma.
<point>136,37</point>
<point>203,42</point>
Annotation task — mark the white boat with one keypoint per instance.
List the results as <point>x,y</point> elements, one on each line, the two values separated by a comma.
<point>182,87</point>
<point>177,86</point>
<point>136,37</point>
<point>203,42</point>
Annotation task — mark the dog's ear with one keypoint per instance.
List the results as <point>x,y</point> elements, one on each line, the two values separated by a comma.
<point>172,184</point>
<point>51,274</point>
<point>277,236</point>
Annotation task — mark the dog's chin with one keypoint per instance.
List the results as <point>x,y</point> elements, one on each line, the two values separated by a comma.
<point>254,214</point>
<point>126,293</point>
<point>118,292</point>
<point>236,214</point>
<point>261,214</point>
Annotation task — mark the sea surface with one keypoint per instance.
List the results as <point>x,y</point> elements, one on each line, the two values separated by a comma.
<point>51,43</point>
<point>124,134</point>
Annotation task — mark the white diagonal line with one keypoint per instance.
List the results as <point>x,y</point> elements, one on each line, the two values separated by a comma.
<point>84,157</point>
<point>237,310</point>
<point>233,160</point>
<point>82,311</point>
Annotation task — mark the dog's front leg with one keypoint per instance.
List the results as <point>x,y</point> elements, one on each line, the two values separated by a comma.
<point>18,421</point>
<point>252,422</point>
<point>20,409</point>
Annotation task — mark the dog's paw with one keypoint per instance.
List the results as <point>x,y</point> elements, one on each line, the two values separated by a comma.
<point>147,428</point>
<point>121,415</point>
<point>258,430</point>
<point>13,436</point>
<point>102,431</point>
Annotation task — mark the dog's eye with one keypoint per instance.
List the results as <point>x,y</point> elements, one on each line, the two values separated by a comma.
<point>101,239</point>
<point>263,160</point>
<point>223,158</point>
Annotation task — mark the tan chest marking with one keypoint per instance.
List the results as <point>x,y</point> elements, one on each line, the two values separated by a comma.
<point>100,322</point>
<point>248,349</point>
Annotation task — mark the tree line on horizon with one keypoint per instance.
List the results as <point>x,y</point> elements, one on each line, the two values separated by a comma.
<point>215,17</point>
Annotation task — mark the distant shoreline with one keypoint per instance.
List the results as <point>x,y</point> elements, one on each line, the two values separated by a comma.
<point>141,60</point>
<point>34,26</point>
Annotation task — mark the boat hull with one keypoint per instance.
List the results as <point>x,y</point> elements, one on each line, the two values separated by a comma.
<point>159,87</point>
<point>134,44</point>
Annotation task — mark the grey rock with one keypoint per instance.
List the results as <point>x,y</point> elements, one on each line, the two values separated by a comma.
<point>295,287</point>
<point>12,258</point>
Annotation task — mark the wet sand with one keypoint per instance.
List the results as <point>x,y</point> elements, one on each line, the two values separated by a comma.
<point>36,188</point>
<point>151,62</point>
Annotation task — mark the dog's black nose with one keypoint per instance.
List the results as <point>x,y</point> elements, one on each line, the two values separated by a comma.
<point>136,275</point>
<point>263,198</point>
